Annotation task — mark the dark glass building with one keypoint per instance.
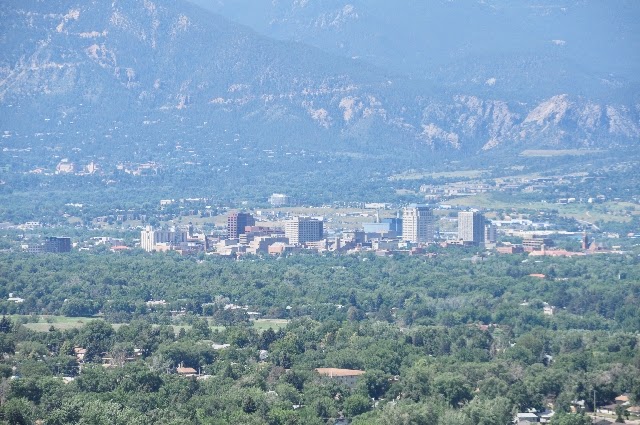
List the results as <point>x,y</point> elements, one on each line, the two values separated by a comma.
<point>54,244</point>
<point>236,222</point>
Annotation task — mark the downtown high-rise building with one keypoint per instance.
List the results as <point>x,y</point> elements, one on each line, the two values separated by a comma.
<point>236,223</point>
<point>418,224</point>
<point>279,200</point>
<point>489,233</point>
<point>150,239</point>
<point>57,245</point>
<point>300,230</point>
<point>471,227</point>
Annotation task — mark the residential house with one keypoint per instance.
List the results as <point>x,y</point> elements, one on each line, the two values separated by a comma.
<point>186,371</point>
<point>622,400</point>
<point>79,353</point>
<point>348,377</point>
<point>526,418</point>
<point>634,411</point>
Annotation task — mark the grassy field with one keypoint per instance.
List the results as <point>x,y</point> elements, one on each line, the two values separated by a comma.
<point>59,322</point>
<point>263,324</point>
<point>417,175</point>
<point>547,153</point>
<point>608,211</point>
<point>259,325</point>
<point>64,323</point>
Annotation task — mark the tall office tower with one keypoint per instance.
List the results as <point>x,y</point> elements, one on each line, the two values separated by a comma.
<point>303,229</point>
<point>418,224</point>
<point>471,227</point>
<point>489,233</point>
<point>236,222</point>
<point>53,244</point>
<point>585,241</point>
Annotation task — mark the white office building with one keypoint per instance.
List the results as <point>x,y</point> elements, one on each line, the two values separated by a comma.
<point>150,239</point>
<point>300,230</point>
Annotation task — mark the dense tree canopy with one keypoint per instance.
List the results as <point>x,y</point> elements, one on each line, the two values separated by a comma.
<point>442,340</point>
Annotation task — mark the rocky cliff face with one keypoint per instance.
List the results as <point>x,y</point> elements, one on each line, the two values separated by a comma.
<point>160,66</point>
<point>559,121</point>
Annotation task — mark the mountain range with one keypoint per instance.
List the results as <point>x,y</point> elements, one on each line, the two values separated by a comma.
<point>133,77</point>
<point>526,48</point>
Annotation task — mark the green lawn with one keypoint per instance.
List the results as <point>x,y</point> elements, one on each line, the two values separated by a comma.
<point>59,322</point>
<point>263,324</point>
<point>64,323</point>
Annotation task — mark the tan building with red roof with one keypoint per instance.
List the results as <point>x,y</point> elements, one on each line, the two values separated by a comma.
<point>186,371</point>
<point>348,377</point>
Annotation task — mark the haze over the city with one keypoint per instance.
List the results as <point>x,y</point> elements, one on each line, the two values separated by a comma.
<point>319,212</point>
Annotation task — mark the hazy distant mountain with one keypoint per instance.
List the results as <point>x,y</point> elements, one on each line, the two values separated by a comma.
<point>526,48</point>
<point>140,74</point>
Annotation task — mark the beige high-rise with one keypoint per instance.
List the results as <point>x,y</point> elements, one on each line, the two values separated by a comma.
<point>300,230</point>
<point>418,224</point>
